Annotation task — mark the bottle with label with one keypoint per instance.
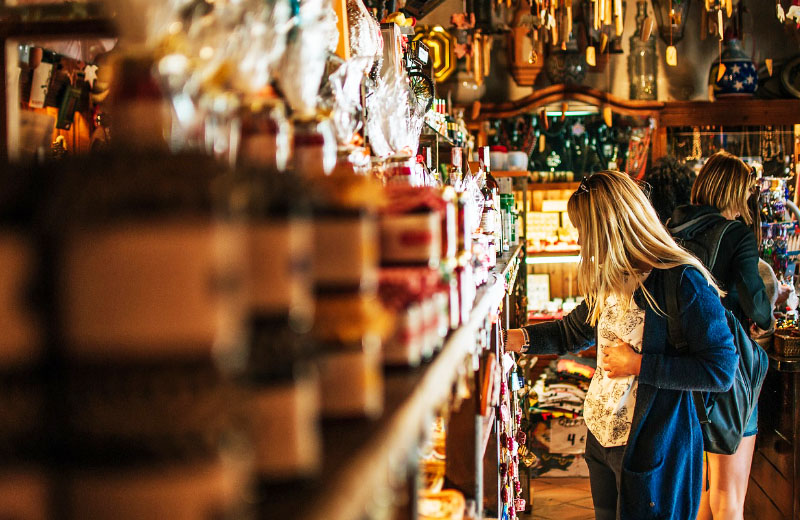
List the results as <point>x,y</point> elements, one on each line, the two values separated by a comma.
<point>143,307</point>
<point>281,386</point>
<point>22,354</point>
<point>345,266</point>
<point>494,188</point>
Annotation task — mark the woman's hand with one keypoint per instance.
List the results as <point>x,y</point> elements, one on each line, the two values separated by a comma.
<point>784,290</point>
<point>621,360</point>
<point>515,340</point>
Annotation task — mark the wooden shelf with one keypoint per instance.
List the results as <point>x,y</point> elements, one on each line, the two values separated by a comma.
<point>362,458</point>
<point>560,93</point>
<point>730,112</point>
<point>553,186</point>
<point>439,135</point>
<point>566,252</point>
<point>510,173</point>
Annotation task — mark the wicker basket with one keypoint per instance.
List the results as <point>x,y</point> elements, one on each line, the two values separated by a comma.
<point>787,344</point>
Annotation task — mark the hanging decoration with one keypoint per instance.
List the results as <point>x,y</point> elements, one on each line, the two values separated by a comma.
<point>603,22</point>
<point>441,45</point>
<point>593,28</point>
<point>525,47</point>
<point>671,17</point>
<point>734,73</point>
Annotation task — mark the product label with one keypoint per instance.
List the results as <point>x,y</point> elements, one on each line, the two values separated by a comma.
<point>151,290</point>
<point>20,341</point>
<point>279,264</point>
<point>41,83</point>
<point>413,238</point>
<point>345,251</point>
<point>24,494</point>
<point>449,231</point>
<point>262,150</point>
<point>353,381</point>
<point>198,492</point>
<point>285,427</point>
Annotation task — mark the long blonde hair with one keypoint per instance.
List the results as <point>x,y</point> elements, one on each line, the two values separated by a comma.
<point>620,235</point>
<point>724,182</point>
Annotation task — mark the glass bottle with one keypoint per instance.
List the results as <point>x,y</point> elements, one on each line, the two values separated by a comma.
<point>643,60</point>
<point>494,188</point>
<point>141,253</point>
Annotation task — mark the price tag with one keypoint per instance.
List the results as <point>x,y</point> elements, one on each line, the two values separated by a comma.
<point>567,436</point>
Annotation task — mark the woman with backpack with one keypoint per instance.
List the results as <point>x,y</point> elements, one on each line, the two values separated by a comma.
<point>728,248</point>
<point>644,448</point>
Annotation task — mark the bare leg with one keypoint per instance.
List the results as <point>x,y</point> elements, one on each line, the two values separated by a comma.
<point>704,513</point>
<point>728,476</point>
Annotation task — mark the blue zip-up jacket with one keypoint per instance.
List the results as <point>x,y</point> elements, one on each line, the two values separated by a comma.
<point>663,461</point>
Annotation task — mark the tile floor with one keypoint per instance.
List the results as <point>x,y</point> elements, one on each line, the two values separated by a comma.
<point>561,499</point>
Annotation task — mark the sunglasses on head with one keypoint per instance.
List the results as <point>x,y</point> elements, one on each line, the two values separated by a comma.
<point>583,187</point>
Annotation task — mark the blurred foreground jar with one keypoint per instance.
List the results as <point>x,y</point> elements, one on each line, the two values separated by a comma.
<point>24,484</point>
<point>349,323</point>
<point>281,382</point>
<point>143,276</point>
<point>265,136</point>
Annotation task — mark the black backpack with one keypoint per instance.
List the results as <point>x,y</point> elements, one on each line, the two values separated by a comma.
<point>723,415</point>
<point>706,249</point>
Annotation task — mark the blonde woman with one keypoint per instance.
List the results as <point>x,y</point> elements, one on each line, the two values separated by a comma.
<point>645,447</point>
<point>720,194</point>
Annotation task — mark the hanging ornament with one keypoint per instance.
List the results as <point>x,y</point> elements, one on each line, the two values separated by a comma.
<point>721,71</point>
<point>90,74</point>
<point>672,56</point>
<point>591,57</point>
<point>607,116</point>
<point>618,25</point>
<point>768,63</point>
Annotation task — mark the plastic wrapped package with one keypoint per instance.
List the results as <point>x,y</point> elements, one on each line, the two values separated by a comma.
<point>341,95</point>
<point>210,48</point>
<point>365,33</point>
<point>394,119</point>
<point>259,43</point>
<point>304,61</point>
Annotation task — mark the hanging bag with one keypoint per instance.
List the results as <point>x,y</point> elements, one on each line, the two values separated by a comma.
<point>723,415</point>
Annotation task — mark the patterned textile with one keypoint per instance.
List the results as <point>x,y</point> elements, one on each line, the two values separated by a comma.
<point>608,409</point>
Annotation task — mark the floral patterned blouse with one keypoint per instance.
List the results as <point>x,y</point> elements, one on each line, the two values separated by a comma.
<point>608,410</point>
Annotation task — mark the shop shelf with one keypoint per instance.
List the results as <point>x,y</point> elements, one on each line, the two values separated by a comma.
<point>488,424</point>
<point>362,458</point>
<point>554,185</point>
<point>510,173</point>
<point>441,136</point>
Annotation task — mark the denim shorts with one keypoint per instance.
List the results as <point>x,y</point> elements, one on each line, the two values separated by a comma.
<point>752,425</point>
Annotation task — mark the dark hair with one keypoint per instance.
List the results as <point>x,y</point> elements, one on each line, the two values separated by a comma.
<point>672,185</point>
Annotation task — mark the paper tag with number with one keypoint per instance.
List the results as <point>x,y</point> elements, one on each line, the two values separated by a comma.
<point>567,436</point>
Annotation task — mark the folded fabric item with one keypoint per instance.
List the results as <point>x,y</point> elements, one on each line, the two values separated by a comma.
<point>573,367</point>
<point>562,407</point>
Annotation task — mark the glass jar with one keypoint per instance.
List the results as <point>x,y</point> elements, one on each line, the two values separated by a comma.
<point>643,60</point>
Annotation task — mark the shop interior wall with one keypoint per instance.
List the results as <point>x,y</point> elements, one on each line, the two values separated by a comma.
<point>764,38</point>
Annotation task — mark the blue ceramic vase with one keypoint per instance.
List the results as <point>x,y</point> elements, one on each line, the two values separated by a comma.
<point>740,77</point>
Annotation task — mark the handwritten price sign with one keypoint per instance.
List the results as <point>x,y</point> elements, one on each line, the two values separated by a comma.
<point>567,436</point>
